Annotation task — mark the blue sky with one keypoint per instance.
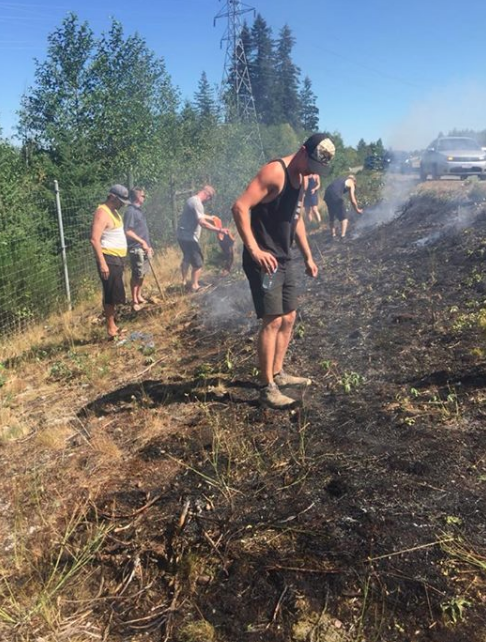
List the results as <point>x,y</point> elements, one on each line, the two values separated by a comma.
<point>402,70</point>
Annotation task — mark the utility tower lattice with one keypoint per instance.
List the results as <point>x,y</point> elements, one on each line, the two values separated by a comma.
<point>236,88</point>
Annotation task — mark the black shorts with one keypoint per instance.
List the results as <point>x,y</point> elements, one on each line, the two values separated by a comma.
<point>192,253</point>
<point>113,288</point>
<point>281,297</point>
<point>336,210</point>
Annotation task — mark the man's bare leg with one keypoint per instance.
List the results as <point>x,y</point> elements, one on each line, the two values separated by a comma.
<point>283,340</point>
<point>184,271</point>
<point>111,326</point>
<point>344,227</point>
<point>136,287</point>
<point>196,273</point>
<point>267,346</point>
<point>273,341</point>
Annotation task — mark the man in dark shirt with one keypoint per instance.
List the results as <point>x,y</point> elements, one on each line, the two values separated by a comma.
<point>334,199</point>
<point>139,248</point>
<point>268,219</point>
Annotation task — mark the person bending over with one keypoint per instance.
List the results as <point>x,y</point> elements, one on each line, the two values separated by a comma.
<point>334,199</point>
<point>191,221</point>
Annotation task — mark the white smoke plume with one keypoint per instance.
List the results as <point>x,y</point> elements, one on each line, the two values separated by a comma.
<point>460,105</point>
<point>397,189</point>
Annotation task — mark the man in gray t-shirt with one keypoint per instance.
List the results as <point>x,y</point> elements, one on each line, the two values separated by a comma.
<point>191,221</point>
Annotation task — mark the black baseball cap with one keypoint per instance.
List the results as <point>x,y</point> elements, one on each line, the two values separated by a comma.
<point>320,150</point>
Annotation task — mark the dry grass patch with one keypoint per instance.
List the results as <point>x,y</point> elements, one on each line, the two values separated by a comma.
<point>55,436</point>
<point>104,445</point>
<point>52,563</point>
<point>199,631</point>
<point>51,372</point>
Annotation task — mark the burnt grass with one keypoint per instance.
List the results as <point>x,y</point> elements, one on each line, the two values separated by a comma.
<point>361,514</point>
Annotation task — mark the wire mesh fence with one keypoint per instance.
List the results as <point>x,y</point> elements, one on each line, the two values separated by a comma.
<point>46,260</point>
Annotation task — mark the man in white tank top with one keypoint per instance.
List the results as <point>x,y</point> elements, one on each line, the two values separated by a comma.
<point>110,247</point>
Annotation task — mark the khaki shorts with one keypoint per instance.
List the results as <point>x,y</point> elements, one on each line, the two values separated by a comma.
<point>139,263</point>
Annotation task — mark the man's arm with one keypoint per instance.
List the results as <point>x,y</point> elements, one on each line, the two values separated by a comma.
<point>207,221</point>
<point>130,221</point>
<point>100,223</point>
<point>317,178</point>
<point>263,188</point>
<point>131,234</point>
<point>352,198</point>
<point>311,268</point>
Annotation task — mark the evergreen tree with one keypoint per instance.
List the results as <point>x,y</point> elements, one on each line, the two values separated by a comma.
<point>309,112</point>
<point>287,106</point>
<point>262,70</point>
<point>380,148</point>
<point>362,150</point>
<point>204,101</point>
<point>246,41</point>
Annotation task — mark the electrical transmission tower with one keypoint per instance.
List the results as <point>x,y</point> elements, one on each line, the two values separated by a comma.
<point>236,88</point>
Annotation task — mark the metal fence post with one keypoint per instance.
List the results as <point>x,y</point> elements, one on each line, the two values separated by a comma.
<point>63,245</point>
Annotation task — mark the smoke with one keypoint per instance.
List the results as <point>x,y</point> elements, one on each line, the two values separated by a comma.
<point>460,105</point>
<point>229,305</point>
<point>397,189</point>
<point>451,223</point>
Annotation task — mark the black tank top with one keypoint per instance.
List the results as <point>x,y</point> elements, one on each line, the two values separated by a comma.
<point>336,190</point>
<point>273,224</point>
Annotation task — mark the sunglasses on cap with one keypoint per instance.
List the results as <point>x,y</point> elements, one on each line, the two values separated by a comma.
<point>323,157</point>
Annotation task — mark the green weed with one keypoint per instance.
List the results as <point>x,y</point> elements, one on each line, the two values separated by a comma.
<point>351,380</point>
<point>453,610</point>
<point>300,331</point>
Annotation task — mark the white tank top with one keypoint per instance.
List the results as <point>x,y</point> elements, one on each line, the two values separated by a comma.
<point>113,241</point>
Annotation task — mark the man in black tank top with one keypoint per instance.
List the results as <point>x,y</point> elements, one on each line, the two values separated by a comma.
<point>268,219</point>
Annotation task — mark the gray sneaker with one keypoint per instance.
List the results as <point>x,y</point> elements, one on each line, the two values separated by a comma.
<point>271,397</point>
<point>283,379</point>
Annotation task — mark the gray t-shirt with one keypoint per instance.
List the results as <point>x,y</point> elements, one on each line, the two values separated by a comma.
<point>189,228</point>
